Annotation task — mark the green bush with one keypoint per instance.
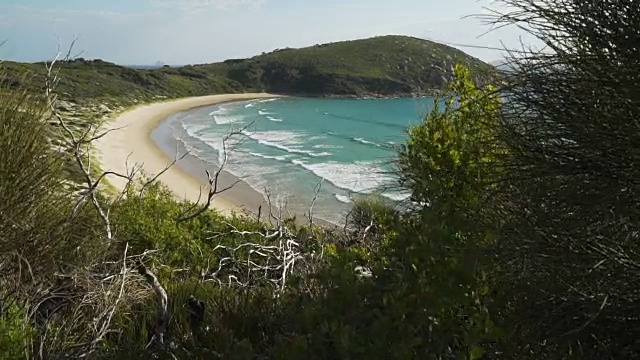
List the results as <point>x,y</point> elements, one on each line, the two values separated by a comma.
<point>449,165</point>
<point>373,215</point>
<point>413,289</point>
<point>15,332</point>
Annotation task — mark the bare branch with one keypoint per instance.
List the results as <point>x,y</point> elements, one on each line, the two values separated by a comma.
<point>163,312</point>
<point>166,168</point>
<point>213,180</point>
<point>67,57</point>
<point>76,143</point>
<point>316,191</point>
<point>104,329</point>
<point>252,263</point>
<point>591,319</point>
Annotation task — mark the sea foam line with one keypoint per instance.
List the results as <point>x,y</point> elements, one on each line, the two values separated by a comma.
<point>366,142</point>
<point>360,177</point>
<point>219,111</point>
<point>268,100</point>
<point>263,156</point>
<point>343,198</point>
<point>288,141</point>
<point>292,149</point>
<point>227,119</point>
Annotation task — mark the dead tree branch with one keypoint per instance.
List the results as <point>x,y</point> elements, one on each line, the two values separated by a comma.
<point>76,144</point>
<point>254,263</point>
<point>166,168</point>
<point>316,191</point>
<point>108,314</point>
<point>163,311</point>
<point>213,180</point>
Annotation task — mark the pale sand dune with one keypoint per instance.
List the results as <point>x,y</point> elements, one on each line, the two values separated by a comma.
<point>131,144</point>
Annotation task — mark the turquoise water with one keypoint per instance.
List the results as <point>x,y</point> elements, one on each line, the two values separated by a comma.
<point>289,147</point>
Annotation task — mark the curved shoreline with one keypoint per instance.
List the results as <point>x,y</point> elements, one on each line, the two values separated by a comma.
<point>130,143</point>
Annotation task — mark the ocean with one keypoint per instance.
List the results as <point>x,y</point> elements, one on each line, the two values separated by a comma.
<point>291,147</point>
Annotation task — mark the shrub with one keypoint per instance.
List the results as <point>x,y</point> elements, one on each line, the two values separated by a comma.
<point>15,332</point>
<point>370,217</point>
<point>570,248</point>
<point>450,164</point>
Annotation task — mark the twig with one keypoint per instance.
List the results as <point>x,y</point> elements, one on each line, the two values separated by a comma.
<point>50,82</point>
<point>604,303</point>
<point>213,181</point>
<point>317,189</point>
<point>166,168</point>
<point>163,312</point>
<point>105,325</point>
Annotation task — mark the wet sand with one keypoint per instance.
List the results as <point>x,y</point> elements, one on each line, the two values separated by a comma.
<point>131,143</point>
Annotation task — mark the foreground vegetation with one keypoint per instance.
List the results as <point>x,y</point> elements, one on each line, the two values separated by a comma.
<point>519,242</point>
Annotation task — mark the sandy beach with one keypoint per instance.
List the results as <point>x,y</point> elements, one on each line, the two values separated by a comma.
<point>131,144</point>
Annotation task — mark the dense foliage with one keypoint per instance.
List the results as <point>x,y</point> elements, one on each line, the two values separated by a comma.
<point>377,291</point>
<point>569,251</point>
<point>380,66</point>
<point>519,240</point>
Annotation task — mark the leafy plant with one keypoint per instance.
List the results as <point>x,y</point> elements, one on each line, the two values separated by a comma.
<point>16,332</point>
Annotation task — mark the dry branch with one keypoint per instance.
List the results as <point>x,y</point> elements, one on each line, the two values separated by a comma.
<point>76,144</point>
<point>163,311</point>
<point>213,180</point>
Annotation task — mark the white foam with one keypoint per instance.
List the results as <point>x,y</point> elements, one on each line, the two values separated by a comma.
<point>193,150</point>
<point>219,111</point>
<point>249,105</point>
<point>192,129</point>
<point>226,119</point>
<point>323,146</point>
<point>294,149</point>
<point>343,199</point>
<point>366,142</point>
<point>268,100</point>
<point>289,141</point>
<point>212,138</point>
<point>361,177</point>
<point>274,119</point>
<point>279,136</point>
<point>265,112</point>
<point>279,158</point>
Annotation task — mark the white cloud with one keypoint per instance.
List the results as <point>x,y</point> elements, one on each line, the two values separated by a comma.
<point>68,15</point>
<point>200,31</point>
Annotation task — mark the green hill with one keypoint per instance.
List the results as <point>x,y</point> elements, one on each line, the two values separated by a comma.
<point>379,66</point>
<point>387,65</point>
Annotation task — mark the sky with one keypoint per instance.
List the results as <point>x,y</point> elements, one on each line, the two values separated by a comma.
<point>178,32</point>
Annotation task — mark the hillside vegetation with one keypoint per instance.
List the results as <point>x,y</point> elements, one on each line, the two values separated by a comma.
<point>520,239</point>
<point>380,66</point>
<point>387,65</point>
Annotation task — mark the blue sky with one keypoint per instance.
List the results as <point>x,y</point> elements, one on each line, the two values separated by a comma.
<point>200,31</point>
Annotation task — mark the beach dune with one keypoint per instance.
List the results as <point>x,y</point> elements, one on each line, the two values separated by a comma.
<point>129,143</point>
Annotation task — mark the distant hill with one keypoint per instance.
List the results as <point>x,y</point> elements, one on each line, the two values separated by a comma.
<point>387,65</point>
<point>379,66</point>
<point>502,65</point>
<point>145,67</point>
